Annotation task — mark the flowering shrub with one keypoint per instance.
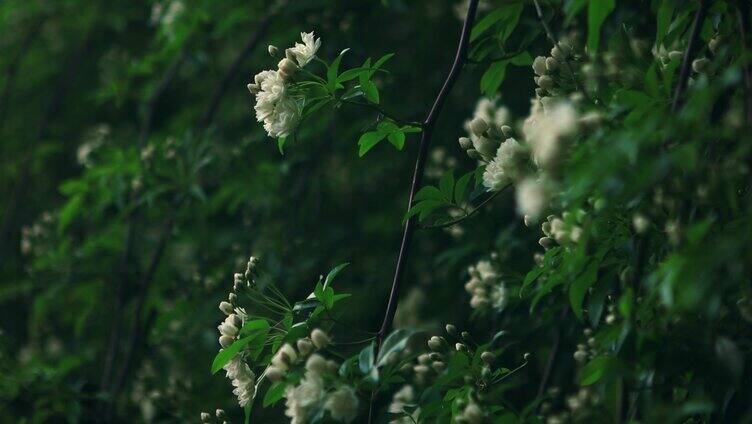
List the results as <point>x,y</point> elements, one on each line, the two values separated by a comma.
<point>575,246</point>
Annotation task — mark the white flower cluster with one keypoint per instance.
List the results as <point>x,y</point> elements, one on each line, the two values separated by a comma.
<point>508,164</point>
<point>310,393</point>
<point>402,399</point>
<point>472,414</point>
<point>93,139</point>
<point>275,106</point>
<point>486,130</point>
<point>563,231</point>
<point>546,129</point>
<point>485,287</point>
<point>219,413</point>
<point>242,377</point>
<point>545,68</point>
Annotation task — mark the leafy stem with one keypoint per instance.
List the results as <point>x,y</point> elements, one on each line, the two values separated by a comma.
<point>380,110</point>
<point>468,214</point>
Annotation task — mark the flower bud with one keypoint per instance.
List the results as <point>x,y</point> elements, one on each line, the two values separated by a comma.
<point>488,357</point>
<point>580,356</point>
<point>305,346</point>
<point>459,347</point>
<point>233,298</point>
<point>421,369</point>
<point>287,67</point>
<point>438,366</point>
<point>451,330</point>
<point>316,364</point>
<point>545,82</point>
<point>253,88</point>
<point>526,356</point>
<point>539,66</point>
<point>552,64</point>
<point>227,329</point>
<point>486,147</point>
<point>507,131</point>
<point>226,307</point>
<point>478,126</point>
<point>424,358</point>
<point>205,417</point>
<point>220,413</point>
<point>465,143</point>
<point>675,55</point>
<point>714,44</point>
<point>273,50</point>
<point>320,339</point>
<point>225,341</point>
<point>466,336</point>
<point>289,54</point>
<point>274,374</point>
<point>701,65</point>
<point>435,356</point>
<point>473,154</point>
<point>436,343</point>
<point>546,242</point>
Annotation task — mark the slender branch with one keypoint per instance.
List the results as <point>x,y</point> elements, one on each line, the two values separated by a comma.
<point>459,60</point>
<point>381,111</point>
<point>691,51</point>
<point>425,141</point>
<point>552,355</point>
<point>468,214</point>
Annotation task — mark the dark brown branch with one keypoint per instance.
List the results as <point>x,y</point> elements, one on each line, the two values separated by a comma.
<point>689,55</point>
<point>425,141</point>
<point>233,71</point>
<point>468,214</point>
<point>459,60</point>
<point>553,354</point>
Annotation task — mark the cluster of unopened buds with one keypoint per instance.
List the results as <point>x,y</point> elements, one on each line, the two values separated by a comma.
<point>218,417</point>
<point>546,68</point>
<point>485,286</point>
<point>287,355</point>
<point>585,350</point>
<point>562,230</point>
<point>486,139</point>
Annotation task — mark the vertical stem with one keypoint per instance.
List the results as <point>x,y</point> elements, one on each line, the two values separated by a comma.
<point>689,55</point>
<point>425,141</point>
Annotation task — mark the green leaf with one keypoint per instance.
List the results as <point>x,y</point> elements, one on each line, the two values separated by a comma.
<point>395,342</point>
<point>651,81</point>
<point>274,394</point>
<point>598,11</point>
<point>366,359</point>
<point>281,144</point>
<point>580,285</point>
<point>511,18</point>
<point>333,273</point>
<point>572,8</point>
<point>522,59</point>
<point>486,23</point>
<point>595,369</point>
<point>382,61</point>
<point>368,140</point>
<point>493,77</point>
<point>428,193</point>
<point>461,187</point>
<point>397,139</point>
<point>663,19</point>
<point>332,70</point>
<point>370,91</point>
<point>225,355</point>
<point>68,212</point>
<point>446,185</point>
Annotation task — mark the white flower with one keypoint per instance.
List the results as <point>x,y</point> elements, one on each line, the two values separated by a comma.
<point>402,398</point>
<point>301,399</point>
<point>342,404</point>
<point>316,364</point>
<point>278,111</point>
<point>493,177</point>
<point>546,127</point>
<point>305,52</point>
<point>532,197</point>
<point>243,379</point>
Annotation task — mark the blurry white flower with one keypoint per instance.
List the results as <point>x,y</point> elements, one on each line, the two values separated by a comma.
<point>342,404</point>
<point>320,338</point>
<point>301,399</point>
<point>305,52</point>
<point>402,398</point>
<point>532,197</point>
<point>546,127</point>
<point>494,178</point>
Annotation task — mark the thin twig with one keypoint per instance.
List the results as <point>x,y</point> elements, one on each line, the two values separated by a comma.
<point>551,37</point>
<point>420,162</point>
<point>381,111</point>
<point>691,51</point>
<point>552,355</point>
<point>468,214</point>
